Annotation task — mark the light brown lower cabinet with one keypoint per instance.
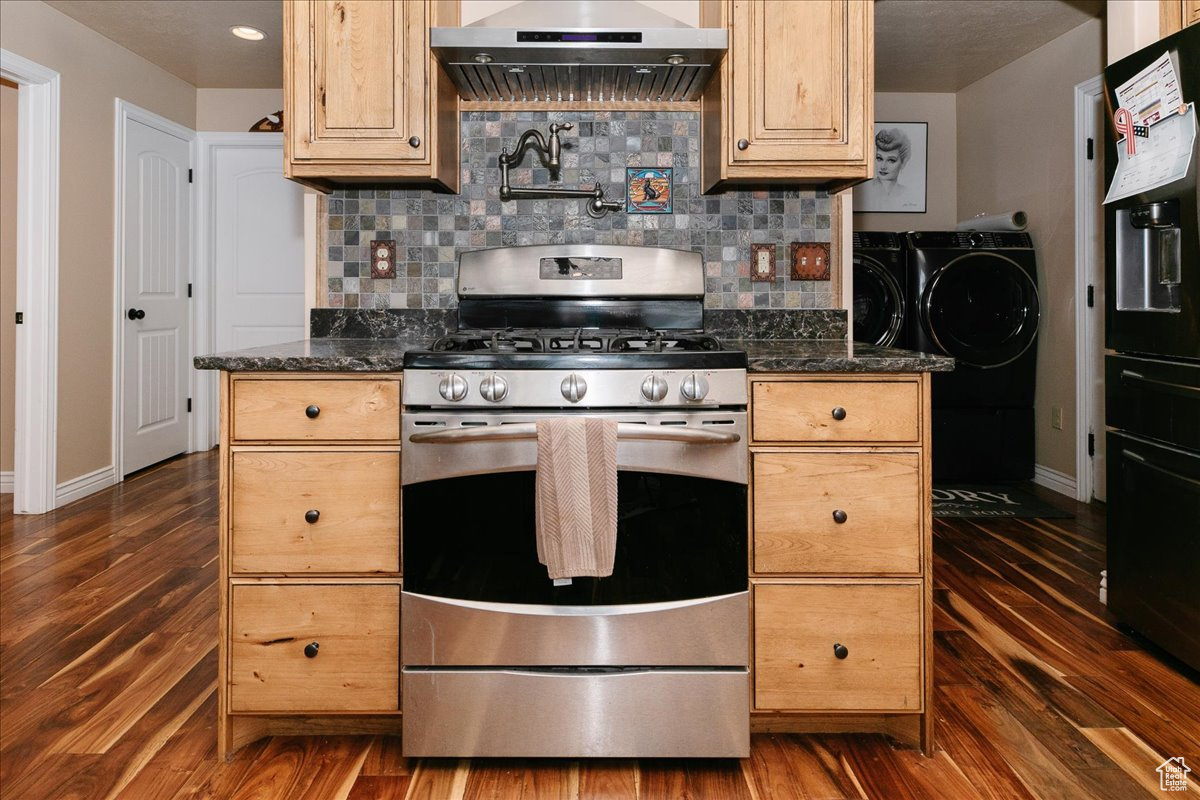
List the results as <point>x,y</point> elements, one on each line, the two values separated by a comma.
<point>311,648</point>
<point>837,647</point>
<point>310,556</point>
<point>840,519</point>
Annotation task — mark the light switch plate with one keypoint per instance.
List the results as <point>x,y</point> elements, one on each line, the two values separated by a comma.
<point>383,259</point>
<point>762,262</point>
<point>810,261</point>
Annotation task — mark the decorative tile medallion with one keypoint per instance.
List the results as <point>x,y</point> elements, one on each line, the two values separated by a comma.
<point>648,190</point>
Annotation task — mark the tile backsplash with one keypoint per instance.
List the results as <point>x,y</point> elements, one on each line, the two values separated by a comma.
<point>429,229</point>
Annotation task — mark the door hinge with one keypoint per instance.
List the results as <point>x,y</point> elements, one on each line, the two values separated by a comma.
<point>1091,154</point>
<point>1091,295</point>
<point>20,318</point>
<point>190,292</point>
<point>189,405</point>
<point>1091,445</point>
<point>190,172</point>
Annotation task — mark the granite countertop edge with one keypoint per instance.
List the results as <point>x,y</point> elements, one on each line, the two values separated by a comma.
<point>387,355</point>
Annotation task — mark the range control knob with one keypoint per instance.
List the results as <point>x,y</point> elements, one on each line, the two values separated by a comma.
<point>453,387</point>
<point>694,388</point>
<point>574,387</point>
<point>654,388</point>
<point>493,388</point>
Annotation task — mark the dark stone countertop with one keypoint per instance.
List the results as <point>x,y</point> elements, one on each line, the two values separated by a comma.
<point>387,355</point>
<point>829,355</point>
<point>318,355</point>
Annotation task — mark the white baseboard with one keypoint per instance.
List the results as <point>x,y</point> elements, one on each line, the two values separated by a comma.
<point>6,482</point>
<point>1053,479</point>
<point>78,488</point>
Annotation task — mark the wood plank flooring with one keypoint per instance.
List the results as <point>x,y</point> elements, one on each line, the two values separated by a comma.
<point>108,667</point>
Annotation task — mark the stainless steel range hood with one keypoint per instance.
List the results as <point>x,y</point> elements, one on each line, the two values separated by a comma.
<point>557,51</point>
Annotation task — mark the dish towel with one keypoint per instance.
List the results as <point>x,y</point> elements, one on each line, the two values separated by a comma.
<point>576,496</point>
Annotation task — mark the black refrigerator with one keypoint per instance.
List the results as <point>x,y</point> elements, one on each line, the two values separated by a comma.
<point>1152,322</point>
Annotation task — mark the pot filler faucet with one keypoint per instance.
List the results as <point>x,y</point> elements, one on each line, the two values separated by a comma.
<point>597,206</point>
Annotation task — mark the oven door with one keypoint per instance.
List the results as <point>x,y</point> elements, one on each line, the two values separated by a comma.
<point>468,509</point>
<point>678,592</point>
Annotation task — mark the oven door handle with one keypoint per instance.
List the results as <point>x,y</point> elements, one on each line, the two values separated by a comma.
<point>626,431</point>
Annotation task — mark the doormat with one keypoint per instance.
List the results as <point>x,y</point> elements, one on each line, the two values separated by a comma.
<point>996,500</point>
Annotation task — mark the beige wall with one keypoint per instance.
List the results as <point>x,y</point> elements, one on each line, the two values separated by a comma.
<point>1132,25</point>
<point>939,110</point>
<point>94,72</point>
<point>234,110</point>
<point>687,11</point>
<point>1029,166</point>
<point>8,272</point>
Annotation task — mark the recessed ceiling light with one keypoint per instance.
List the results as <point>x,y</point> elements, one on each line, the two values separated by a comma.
<point>246,32</point>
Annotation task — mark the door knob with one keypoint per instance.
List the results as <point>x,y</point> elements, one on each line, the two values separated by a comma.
<point>136,313</point>
<point>312,515</point>
<point>742,144</point>
<point>414,141</point>
<point>839,413</point>
<point>840,651</point>
<point>312,411</point>
<point>311,649</point>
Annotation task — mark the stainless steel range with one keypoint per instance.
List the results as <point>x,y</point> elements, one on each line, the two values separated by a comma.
<point>499,660</point>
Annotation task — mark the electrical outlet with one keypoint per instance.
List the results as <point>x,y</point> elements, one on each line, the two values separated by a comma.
<point>762,262</point>
<point>1056,418</point>
<point>383,259</point>
<point>810,261</point>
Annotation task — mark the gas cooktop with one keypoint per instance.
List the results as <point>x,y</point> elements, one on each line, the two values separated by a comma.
<point>578,348</point>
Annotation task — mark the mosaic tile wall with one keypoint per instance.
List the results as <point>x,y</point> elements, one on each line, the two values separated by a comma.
<point>429,228</point>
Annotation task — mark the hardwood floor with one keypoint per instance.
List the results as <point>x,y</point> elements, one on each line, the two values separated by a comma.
<point>108,666</point>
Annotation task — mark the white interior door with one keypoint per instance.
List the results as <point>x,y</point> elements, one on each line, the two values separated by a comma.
<point>155,249</point>
<point>258,248</point>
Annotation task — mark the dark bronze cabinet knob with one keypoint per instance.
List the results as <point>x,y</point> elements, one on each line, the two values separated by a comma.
<point>312,411</point>
<point>136,313</point>
<point>839,516</point>
<point>312,515</point>
<point>839,650</point>
<point>310,650</point>
<point>742,144</point>
<point>414,141</point>
<point>839,413</point>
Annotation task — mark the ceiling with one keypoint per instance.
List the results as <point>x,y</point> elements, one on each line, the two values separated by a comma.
<point>945,45</point>
<point>921,45</point>
<point>190,38</point>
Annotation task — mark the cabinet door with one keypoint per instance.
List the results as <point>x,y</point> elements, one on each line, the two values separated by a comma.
<point>836,647</point>
<point>360,87</point>
<point>1191,12</point>
<point>317,647</point>
<point>837,512</point>
<point>799,81</point>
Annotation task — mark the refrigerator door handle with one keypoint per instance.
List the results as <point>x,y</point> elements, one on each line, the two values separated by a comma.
<point>1161,470</point>
<point>1166,387</point>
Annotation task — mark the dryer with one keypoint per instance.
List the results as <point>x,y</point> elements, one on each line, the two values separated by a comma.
<point>880,289</point>
<point>974,296</point>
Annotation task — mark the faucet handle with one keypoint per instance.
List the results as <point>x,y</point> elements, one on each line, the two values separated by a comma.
<point>555,127</point>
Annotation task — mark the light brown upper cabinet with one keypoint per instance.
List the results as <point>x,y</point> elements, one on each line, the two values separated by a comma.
<point>793,101</point>
<point>364,102</point>
<point>1191,12</point>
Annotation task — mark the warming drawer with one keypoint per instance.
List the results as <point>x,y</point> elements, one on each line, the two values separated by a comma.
<point>609,713</point>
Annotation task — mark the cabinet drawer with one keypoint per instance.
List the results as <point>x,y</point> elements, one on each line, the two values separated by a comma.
<point>796,496</point>
<point>316,410</point>
<point>356,497</point>
<point>356,666</point>
<point>797,626</point>
<point>809,411</point>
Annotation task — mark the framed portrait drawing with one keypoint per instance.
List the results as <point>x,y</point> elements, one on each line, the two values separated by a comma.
<point>901,152</point>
